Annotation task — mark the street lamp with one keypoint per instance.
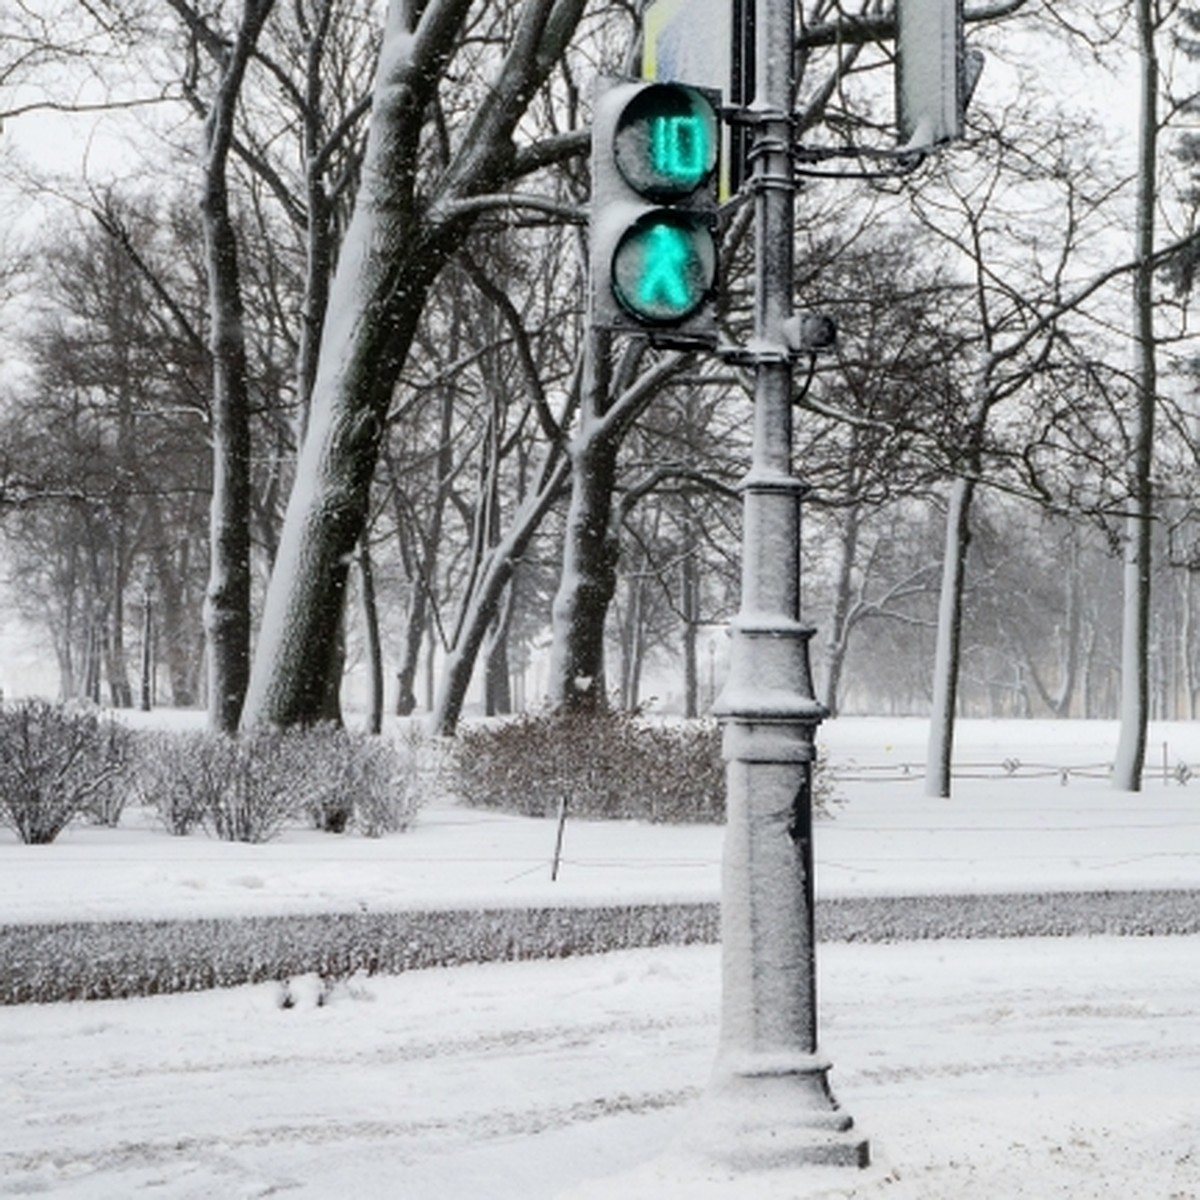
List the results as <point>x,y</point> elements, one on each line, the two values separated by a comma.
<point>770,1103</point>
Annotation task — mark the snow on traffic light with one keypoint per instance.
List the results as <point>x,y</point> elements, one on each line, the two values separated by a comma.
<point>655,150</point>
<point>935,72</point>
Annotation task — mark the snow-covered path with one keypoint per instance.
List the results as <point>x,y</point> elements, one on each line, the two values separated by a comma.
<point>1049,1069</point>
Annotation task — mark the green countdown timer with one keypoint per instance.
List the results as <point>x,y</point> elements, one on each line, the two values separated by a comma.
<point>666,142</point>
<point>665,146</point>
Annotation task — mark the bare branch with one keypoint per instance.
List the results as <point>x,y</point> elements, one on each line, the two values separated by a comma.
<point>850,30</point>
<point>572,214</point>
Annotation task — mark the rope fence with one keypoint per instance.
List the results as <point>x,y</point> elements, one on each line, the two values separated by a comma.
<point>1163,771</point>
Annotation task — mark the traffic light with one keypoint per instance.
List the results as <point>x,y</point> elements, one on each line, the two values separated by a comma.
<point>935,72</point>
<point>655,174</point>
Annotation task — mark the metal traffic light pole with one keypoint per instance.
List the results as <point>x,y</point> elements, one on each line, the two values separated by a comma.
<point>653,272</point>
<point>770,1103</point>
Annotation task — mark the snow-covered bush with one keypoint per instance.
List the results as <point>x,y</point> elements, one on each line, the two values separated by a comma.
<point>356,779</point>
<point>242,789</point>
<point>56,763</point>
<point>397,783</point>
<point>247,788</point>
<point>607,765</point>
<point>253,789</point>
<point>171,774</point>
<point>108,959</point>
<point>323,761</point>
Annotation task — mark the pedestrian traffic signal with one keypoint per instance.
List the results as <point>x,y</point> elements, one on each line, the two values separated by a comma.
<point>655,148</point>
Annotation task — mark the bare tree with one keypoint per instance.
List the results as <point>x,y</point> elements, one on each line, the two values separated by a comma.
<point>1032,298</point>
<point>109,429</point>
<point>612,401</point>
<point>1135,635</point>
<point>227,617</point>
<point>408,221</point>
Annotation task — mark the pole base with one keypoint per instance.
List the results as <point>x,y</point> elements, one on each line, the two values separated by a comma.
<point>777,1116</point>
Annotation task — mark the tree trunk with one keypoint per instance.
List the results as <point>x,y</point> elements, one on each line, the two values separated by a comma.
<point>493,576</point>
<point>318,251</point>
<point>1187,668</point>
<point>374,645</point>
<point>146,692</point>
<point>497,688</point>
<point>589,579</point>
<point>497,695</point>
<point>949,636</point>
<point>1059,701</point>
<point>66,670</point>
<point>384,273</point>
<point>91,682</point>
<point>427,542</point>
<point>839,624</point>
<point>177,640</point>
<point>227,602</point>
<point>1135,624</point>
<point>414,631</point>
<point>632,637</point>
<point>691,623</point>
<point>115,665</point>
<point>404,228</point>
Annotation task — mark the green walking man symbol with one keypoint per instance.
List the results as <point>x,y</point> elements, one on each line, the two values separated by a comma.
<point>664,281</point>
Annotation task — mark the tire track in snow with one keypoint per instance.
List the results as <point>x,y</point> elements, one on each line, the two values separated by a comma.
<point>560,1036</point>
<point>469,1128</point>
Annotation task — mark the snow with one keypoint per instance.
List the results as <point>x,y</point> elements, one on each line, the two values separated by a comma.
<point>1004,832</point>
<point>1042,1069</point>
<point>1048,1069</point>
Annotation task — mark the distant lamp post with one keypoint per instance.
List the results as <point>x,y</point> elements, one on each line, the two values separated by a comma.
<point>147,688</point>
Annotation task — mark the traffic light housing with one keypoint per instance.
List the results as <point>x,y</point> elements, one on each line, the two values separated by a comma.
<point>655,174</point>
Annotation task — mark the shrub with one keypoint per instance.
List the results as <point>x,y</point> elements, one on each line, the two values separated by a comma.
<point>255,788</point>
<point>247,788</point>
<point>240,788</point>
<point>323,762</point>
<point>171,774</point>
<point>56,763</point>
<point>357,779</point>
<point>399,778</point>
<point>608,765</point>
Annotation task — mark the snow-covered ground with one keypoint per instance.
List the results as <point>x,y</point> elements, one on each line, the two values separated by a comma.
<point>1052,1069</point>
<point>1001,832</point>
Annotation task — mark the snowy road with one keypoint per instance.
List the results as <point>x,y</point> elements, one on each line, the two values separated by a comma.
<point>1041,1068</point>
